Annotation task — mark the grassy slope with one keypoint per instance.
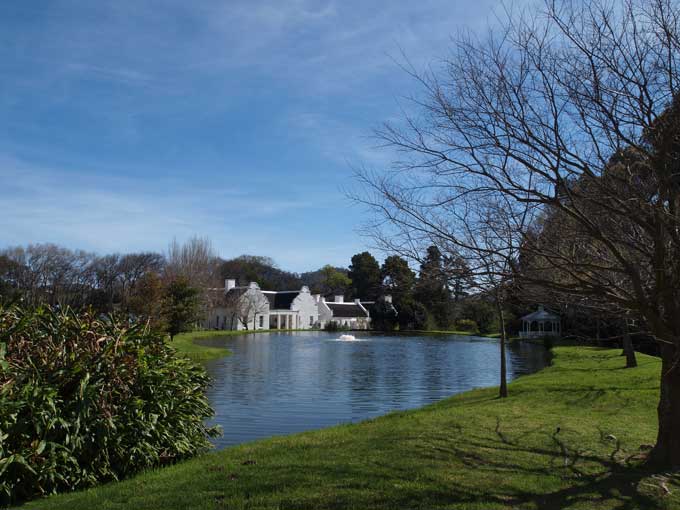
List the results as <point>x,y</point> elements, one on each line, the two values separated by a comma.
<point>186,344</point>
<point>469,451</point>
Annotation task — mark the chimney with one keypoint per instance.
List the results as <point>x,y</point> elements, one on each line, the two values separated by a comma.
<point>340,299</point>
<point>253,285</point>
<point>229,284</point>
<point>388,298</point>
<point>317,298</point>
<point>357,301</point>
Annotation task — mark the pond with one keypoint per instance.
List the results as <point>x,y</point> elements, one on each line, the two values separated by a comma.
<point>281,383</point>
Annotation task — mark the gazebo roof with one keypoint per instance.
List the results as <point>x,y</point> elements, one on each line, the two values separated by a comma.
<point>541,315</point>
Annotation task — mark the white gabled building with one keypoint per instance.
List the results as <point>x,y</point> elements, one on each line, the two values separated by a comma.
<point>350,314</point>
<point>292,309</point>
<point>240,308</point>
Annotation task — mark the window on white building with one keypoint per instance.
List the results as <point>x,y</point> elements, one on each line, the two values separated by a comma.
<point>261,321</point>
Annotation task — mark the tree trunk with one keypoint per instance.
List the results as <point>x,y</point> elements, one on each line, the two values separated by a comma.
<point>504,371</point>
<point>628,350</point>
<point>666,452</point>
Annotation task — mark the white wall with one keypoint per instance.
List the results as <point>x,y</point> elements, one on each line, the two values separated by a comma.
<point>261,306</point>
<point>326,316</point>
<point>325,313</point>
<point>305,305</point>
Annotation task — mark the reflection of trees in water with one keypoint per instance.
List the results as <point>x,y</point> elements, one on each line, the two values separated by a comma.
<point>363,381</point>
<point>249,362</point>
<point>396,369</point>
<point>434,372</point>
<point>527,357</point>
<point>284,383</point>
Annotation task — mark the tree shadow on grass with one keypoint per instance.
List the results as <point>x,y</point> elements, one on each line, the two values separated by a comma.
<point>489,468</point>
<point>612,481</point>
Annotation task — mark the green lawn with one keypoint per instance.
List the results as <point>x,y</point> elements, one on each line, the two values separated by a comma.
<point>186,345</point>
<point>189,344</point>
<point>471,451</point>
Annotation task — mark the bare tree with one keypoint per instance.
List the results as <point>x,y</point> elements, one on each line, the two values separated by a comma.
<point>245,304</point>
<point>105,271</point>
<point>535,113</point>
<point>482,234</point>
<point>46,273</point>
<point>195,260</point>
<point>133,268</point>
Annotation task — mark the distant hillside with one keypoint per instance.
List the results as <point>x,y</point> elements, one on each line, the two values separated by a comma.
<point>264,271</point>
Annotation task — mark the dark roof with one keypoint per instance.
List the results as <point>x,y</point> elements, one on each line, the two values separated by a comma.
<point>235,292</point>
<point>346,310</point>
<point>281,300</point>
<point>371,306</point>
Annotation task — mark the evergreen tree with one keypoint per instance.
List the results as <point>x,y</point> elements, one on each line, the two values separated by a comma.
<point>365,275</point>
<point>181,306</point>
<point>412,315</point>
<point>383,316</point>
<point>432,288</point>
<point>398,279</point>
<point>334,281</point>
<point>458,276</point>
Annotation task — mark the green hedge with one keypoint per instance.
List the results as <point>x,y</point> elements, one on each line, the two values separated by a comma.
<point>85,400</point>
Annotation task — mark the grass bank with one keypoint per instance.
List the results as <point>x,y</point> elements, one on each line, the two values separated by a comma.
<point>189,344</point>
<point>186,345</point>
<point>568,437</point>
<point>452,332</point>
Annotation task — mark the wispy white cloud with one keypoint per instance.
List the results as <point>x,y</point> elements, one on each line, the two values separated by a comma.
<point>105,213</point>
<point>165,118</point>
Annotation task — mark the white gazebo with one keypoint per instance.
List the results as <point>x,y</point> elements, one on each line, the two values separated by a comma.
<point>540,323</point>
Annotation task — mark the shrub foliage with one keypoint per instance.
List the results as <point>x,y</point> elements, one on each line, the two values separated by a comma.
<point>333,326</point>
<point>85,400</point>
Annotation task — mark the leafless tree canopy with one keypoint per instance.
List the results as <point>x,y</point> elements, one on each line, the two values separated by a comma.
<point>244,306</point>
<point>554,138</point>
<point>195,260</point>
<point>46,273</point>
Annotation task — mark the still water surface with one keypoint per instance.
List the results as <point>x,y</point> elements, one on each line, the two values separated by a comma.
<point>281,383</point>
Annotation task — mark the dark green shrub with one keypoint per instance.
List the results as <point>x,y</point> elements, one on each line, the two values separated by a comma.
<point>483,313</point>
<point>84,400</point>
<point>383,316</point>
<point>412,316</point>
<point>466,325</point>
<point>333,326</point>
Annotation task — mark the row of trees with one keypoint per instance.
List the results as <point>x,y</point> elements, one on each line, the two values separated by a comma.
<point>169,289</point>
<point>441,295</point>
<point>546,156</point>
<point>432,298</point>
<point>164,290</point>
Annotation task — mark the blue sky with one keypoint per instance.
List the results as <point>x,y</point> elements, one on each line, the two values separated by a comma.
<point>127,123</point>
